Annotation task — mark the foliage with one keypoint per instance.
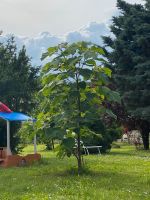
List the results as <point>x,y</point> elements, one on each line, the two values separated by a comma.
<point>19,81</point>
<point>104,136</point>
<point>29,129</point>
<point>130,59</point>
<point>74,87</point>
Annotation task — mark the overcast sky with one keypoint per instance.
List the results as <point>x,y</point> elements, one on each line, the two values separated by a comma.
<point>29,17</point>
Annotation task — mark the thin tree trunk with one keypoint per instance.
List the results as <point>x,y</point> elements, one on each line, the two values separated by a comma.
<point>79,155</point>
<point>145,138</point>
<point>145,129</point>
<point>52,144</point>
<point>78,127</point>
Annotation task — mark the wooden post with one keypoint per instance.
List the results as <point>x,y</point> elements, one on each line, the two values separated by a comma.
<point>8,139</point>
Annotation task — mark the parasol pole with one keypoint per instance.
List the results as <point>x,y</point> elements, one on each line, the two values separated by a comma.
<point>8,139</point>
<point>34,141</point>
<point>35,147</point>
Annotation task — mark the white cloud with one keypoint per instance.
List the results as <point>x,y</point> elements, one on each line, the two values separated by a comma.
<point>63,15</point>
<point>56,16</point>
<point>38,44</point>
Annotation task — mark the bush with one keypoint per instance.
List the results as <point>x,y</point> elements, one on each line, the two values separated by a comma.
<point>103,136</point>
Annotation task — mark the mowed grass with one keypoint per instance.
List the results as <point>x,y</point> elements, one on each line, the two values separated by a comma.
<point>123,174</point>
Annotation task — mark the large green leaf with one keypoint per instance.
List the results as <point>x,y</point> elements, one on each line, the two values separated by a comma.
<point>86,73</point>
<point>111,114</point>
<point>82,84</point>
<point>107,71</point>
<point>74,93</point>
<point>90,54</point>
<point>55,133</point>
<point>115,96</point>
<point>50,52</point>
<point>68,142</point>
<point>90,62</point>
<point>98,50</point>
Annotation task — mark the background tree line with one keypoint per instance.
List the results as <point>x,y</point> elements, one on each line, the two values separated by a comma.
<point>18,84</point>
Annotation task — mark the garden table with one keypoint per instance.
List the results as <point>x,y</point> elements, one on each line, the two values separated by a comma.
<point>91,147</point>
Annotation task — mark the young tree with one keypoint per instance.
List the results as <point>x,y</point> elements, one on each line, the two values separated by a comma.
<point>130,60</point>
<point>18,82</point>
<point>75,87</point>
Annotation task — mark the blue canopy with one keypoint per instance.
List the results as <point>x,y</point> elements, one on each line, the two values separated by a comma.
<point>15,116</point>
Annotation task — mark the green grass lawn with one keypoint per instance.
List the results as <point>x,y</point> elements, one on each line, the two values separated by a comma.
<point>123,174</point>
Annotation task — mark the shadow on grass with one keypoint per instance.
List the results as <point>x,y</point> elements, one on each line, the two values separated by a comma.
<point>48,161</point>
<point>119,178</point>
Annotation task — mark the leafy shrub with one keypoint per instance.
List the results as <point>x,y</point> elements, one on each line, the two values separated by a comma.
<point>103,136</point>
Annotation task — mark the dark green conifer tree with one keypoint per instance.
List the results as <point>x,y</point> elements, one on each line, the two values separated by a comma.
<point>18,83</point>
<point>130,61</point>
